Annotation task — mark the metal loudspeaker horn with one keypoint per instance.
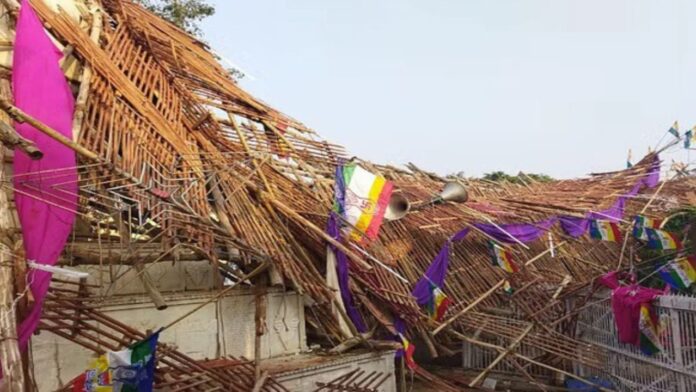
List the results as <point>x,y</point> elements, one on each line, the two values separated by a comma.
<point>397,208</point>
<point>453,191</point>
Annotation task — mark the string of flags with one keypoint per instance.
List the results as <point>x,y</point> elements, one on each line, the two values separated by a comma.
<point>363,198</point>
<point>679,274</point>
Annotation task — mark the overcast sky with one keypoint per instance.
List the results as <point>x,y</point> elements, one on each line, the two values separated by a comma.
<point>560,87</point>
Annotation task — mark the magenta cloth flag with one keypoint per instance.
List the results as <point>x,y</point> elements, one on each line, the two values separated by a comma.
<point>45,189</point>
<point>626,302</point>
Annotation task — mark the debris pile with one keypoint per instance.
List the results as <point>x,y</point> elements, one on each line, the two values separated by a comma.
<point>176,162</point>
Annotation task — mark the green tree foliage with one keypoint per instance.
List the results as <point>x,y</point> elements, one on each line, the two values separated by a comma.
<point>521,178</point>
<point>183,13</point>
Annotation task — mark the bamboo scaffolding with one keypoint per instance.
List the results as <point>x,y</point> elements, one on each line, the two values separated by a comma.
<point>255,186</point>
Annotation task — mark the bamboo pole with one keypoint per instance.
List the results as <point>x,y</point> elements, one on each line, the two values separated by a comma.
<point>20,116</point>
<point>10,356</point>
<point>275,275</point>
<point>642,211</point>
<point>260,381</point>
<point>306,223</point>
<point>260,299</point>
<point>221,293</point>
<point>10,138</point>
<point>519,339</point>
<point>490,291</point>
<point>83,92</point>
<point>525,358</point>
<point>501,356</point>
<point>150,287</point>
<point>145,278</point>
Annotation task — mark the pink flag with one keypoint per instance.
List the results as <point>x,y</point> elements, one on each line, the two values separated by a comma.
<point>45,189</point>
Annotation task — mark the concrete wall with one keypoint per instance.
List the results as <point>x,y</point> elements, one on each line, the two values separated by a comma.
<point>167,276</point>
<point>305,380</point>
<point>224,327</point>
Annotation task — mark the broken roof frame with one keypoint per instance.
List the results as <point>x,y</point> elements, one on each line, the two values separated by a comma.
<point>175,155</point>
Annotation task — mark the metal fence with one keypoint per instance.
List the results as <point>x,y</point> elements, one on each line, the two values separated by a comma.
<point>672,370</point>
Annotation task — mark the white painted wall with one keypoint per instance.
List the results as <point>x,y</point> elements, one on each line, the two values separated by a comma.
<point>224,327</point>
<point>167,276</point>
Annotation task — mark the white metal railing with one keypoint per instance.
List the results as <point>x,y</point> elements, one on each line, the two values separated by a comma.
<point>673,369</point>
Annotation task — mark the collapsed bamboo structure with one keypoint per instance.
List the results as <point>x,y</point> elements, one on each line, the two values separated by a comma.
<point>177,161</point>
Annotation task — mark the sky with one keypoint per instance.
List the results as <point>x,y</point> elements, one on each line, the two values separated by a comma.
<point>553,86</point>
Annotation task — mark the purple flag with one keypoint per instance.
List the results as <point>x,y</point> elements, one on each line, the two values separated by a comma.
<point>577,227</point>
<point>523,232</point>
<point>342,267</point>
<point>342,270</point>
<point>435,274</point>
<point>528,232</point>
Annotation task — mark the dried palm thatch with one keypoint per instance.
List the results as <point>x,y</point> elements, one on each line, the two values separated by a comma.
<point>175,156</point>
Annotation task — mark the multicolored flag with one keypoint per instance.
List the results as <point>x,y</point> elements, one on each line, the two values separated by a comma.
<point>605,230</point>
<point>680,273</point>
<point>129,370</point>
<point>438,303</point>
<point>648,327</point>
<point>502,258</point>
<point>366,198</point>
<point>409,349</point>
<point>428,292</point>
<point>690,138</point>
<point>507,288</point>
<point>660,239</point>
<point>674,129</point>
<point>640,222</point>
